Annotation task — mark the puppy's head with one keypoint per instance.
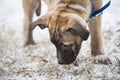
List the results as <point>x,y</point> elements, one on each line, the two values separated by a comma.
<point>67,31</point>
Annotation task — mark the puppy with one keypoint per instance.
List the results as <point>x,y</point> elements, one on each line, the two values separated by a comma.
<point>67,21</point>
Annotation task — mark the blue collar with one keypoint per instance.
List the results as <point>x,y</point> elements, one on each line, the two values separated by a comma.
<point>100,11</point>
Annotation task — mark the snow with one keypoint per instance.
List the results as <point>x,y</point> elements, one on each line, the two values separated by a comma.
<point>39,62</point>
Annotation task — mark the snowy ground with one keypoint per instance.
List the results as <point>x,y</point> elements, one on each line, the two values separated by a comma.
<point>39,62</point>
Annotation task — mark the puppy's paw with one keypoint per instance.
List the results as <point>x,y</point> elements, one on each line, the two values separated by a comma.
<point>96,52</point>
<point>29,43</point>
<point>102,60</point>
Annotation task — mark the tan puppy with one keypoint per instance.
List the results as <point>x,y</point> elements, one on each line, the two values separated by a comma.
<point>67,21</point>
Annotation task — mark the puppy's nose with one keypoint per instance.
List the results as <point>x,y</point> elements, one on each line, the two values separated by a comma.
<point>60,61</point>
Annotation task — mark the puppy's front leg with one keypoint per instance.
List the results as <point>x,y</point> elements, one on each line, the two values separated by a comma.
<point>96,36</point>
<point>27,33</point>
<point>28,7</point>
<point>95,30</point>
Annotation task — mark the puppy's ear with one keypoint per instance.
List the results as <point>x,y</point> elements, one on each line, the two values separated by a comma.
<point>80,29</point>
<point>38,9</point>
<point>41,22</point>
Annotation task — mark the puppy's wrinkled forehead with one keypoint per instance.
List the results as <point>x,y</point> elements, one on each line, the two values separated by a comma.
<point>57,22</point>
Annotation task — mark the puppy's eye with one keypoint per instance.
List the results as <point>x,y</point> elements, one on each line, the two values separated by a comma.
<point>71,30</point>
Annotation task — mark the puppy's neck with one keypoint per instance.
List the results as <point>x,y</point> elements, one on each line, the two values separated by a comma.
<point>74,7</point>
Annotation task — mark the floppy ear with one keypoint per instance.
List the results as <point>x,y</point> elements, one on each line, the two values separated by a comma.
<point>41,22</point>
<point>81,30</point>
<point>38,9</point>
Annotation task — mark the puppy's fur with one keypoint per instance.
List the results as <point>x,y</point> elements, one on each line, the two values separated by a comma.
<point>67,21</point>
